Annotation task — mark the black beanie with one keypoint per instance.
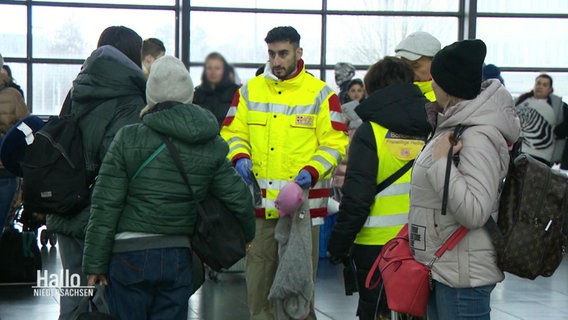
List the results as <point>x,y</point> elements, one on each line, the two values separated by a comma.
<point>457,68</point>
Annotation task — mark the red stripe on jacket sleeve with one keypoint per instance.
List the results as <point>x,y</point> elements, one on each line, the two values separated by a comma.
<point>235,104</point>
<point>335,106</point>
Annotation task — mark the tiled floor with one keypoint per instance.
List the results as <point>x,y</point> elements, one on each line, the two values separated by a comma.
<point>515,298</point>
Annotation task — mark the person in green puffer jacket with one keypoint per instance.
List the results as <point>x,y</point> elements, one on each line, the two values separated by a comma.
<point>111,76</point>
<point>142,214</point>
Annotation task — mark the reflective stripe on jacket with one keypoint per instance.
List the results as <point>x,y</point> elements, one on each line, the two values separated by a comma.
<point>285,126</point>
<point>390,209</point>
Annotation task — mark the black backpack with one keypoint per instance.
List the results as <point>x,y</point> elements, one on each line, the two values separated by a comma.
<point>56,180</point>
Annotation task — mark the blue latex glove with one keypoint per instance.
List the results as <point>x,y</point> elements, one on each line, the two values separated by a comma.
<point>304,179</point>
<point>244,167</point>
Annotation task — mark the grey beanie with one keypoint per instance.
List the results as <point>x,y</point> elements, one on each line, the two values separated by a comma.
<point>344,72</point>
<point>169,81</point>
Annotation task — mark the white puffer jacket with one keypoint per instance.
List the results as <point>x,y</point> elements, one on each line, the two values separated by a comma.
<point>474,188</point>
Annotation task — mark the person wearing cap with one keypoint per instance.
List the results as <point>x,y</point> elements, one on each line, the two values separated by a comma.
<point>142,214</point>
<point>418,49</point>
<point>462,278</point>
<point>111,76</point>
<point>394,130</point>
<point>283,125</point>
<point>344,72</point>
<point>12,109</point>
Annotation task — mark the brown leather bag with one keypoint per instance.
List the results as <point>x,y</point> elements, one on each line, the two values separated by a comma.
<point>533,204</point>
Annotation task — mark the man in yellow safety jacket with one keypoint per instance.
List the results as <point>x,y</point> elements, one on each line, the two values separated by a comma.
<point>394,131</point>
<point>283,125</point>
<point>418,50</point>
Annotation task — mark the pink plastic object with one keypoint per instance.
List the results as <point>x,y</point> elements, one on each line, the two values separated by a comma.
<point>289,200</point>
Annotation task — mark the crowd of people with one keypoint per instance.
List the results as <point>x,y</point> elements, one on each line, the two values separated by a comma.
<point>281,126</point>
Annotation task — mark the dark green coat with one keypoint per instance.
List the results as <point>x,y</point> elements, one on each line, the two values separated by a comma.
<point>157,200</point>
<point>109,77</point>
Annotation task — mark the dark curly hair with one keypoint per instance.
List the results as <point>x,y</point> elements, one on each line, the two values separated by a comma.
<point>283,34</point>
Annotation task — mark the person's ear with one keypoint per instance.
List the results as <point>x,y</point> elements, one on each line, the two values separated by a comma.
<point>299,52</point>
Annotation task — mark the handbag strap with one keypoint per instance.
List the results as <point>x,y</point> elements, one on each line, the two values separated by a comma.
<point>451,243</point>
<point>177,160</point>
<point>393,177</point>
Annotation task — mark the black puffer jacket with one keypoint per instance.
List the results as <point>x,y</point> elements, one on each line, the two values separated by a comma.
<point>399,108</point>
<point>216,100</point>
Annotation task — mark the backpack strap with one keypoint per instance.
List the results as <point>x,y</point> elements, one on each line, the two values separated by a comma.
<point>148,160</point>
<point>458,131</point>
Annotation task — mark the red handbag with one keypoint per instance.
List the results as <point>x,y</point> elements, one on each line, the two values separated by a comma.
<point>407,282</point>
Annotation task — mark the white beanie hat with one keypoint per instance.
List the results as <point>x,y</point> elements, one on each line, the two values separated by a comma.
<point>169,81</point>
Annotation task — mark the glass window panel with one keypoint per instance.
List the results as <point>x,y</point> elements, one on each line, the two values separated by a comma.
<point>264,4</point>
<point>20,75</point>
<point>520,82</point>
<point>76,31</point>
<point>522,45</point>
<point>245,43</point>
<point>51,82</point>
<point>372,37</point>
<point>195,73</point>
<point>244,74</point>
<point>140,2</point>
<point>394,5</point>
<point>13,35</point>
<point>523,6</point>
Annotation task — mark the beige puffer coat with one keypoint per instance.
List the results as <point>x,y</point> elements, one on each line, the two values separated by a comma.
<point>12,105</point>
<point>474,188</point>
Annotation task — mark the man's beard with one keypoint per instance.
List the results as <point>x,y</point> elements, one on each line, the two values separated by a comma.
<point>288,72</point>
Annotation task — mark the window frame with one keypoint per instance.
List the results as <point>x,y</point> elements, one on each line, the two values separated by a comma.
<point>467,15</point>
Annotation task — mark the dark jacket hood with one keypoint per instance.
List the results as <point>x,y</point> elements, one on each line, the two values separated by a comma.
<point>108,74</point>
<point>187,122</point>
<point>398,107</point>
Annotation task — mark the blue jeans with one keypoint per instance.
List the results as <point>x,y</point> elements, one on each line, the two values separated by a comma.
<point>150,284</point>
<point>8,188</point>
<point>448,303</point>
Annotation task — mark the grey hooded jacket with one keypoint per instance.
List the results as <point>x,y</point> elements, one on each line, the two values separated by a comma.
<point>474,189</point>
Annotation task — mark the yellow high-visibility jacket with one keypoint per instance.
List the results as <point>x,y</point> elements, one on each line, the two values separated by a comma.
<point>389,212</point>
<point>426,88</point>
<point>285,126</point>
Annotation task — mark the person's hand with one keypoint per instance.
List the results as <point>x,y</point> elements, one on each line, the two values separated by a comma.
<point>443,144</point>
<point>304,179</point>
<point>244,167</point>
<point>93,279</point>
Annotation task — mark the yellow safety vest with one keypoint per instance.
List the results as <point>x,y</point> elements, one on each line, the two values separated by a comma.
<point>426,89</point>
<point>284,126</point>
<point>389,212</point>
